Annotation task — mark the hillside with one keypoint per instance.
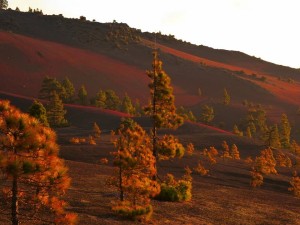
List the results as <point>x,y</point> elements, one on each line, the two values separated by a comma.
<point>104,55</point>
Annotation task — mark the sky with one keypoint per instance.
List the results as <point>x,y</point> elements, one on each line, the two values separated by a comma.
<point>267,29</point>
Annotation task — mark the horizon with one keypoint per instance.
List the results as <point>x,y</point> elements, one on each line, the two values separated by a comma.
<point>229,25</point>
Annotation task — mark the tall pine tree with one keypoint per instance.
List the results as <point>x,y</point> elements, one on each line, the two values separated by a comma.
<point>162,108</point>
<point>34,174</point>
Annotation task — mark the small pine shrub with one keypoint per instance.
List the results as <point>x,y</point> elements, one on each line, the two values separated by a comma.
<point>249,160</point>
<point>257,178</point>
<point>75,140</point>
<point>190,149</point>
<point>295,185</point>
<point>200,169</point>
<point>92,140</point>
<point>103,161</point>
<point>133,212</point>
<point>175,191</point>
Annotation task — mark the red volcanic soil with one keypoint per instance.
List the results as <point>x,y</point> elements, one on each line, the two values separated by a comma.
<point>25,61</point>
<point>288,92</point>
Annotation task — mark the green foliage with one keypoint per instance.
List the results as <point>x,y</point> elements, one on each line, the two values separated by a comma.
<point>135,163</point>
<point>175,191</point>
<point>285,131</point>
<point>226,97</point>
<point>236,131</point>
<point>125,209</point>
<point>169,147</point>
<point>271,137</point>
<point>49,86</point>
<point>30,167</point>
<point>82,95</point>
<point>112,101</point>
<point>69,90</point>
<point>265,163</point>
<point>186,114</point>
<point>101,99</point>
<point>162,107</point>
<point>55,112</point>
<point>3,4</point>
<point>127,106</point>
<point>38,111</point>
<point>121,35</point>
<point>207,114</point>
<point>248,132</point>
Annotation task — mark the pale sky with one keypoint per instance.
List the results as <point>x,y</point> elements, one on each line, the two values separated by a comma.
<point>268,29</point>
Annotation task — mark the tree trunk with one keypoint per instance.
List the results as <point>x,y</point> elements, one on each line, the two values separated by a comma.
<point>121,185</point>
<point>14,202</point>
<point>154,129</point>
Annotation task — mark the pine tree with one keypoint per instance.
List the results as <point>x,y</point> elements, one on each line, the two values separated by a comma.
<point>29,162</point>
<point>295,148</point>
<point>161,109</point>
<point>127,106</point>
<point>3,4</point>
<point>69,90</point>
<point>101,99</point>
<point>234,152</point>
<point>97,130</point>
<point>135,163</point>
<point>226,152</point>
<point>266,162</point>
<point>190,149</point>
<point>283,160</point>
<point>257,178</point>
<point>226,97</point>
<point>82,95</point>
<point>56,112</point>
<point>112,100</point>
<point>260,120</point>
<point>138,109</point>
<point>285,131</point>
<point>38,111</point>
<point>236,131</point>
<point>248,132</point>
<point>271,137</point>
<point>169,147</point>
<point>49,86</point>
<point>207,114</point>
<point>295,185</point>
<point>201,169</point>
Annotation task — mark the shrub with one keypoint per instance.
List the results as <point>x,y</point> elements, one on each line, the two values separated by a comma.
<point>256,178</point>
<point>75,140</point>
<point>103,161</point>
<point>92,140</point>
<point>249,160</point>
<point>295,185</point>
<point>200,169</point>
<point>175,191</point>
<point>190,149</point>
<point>126,209</point>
